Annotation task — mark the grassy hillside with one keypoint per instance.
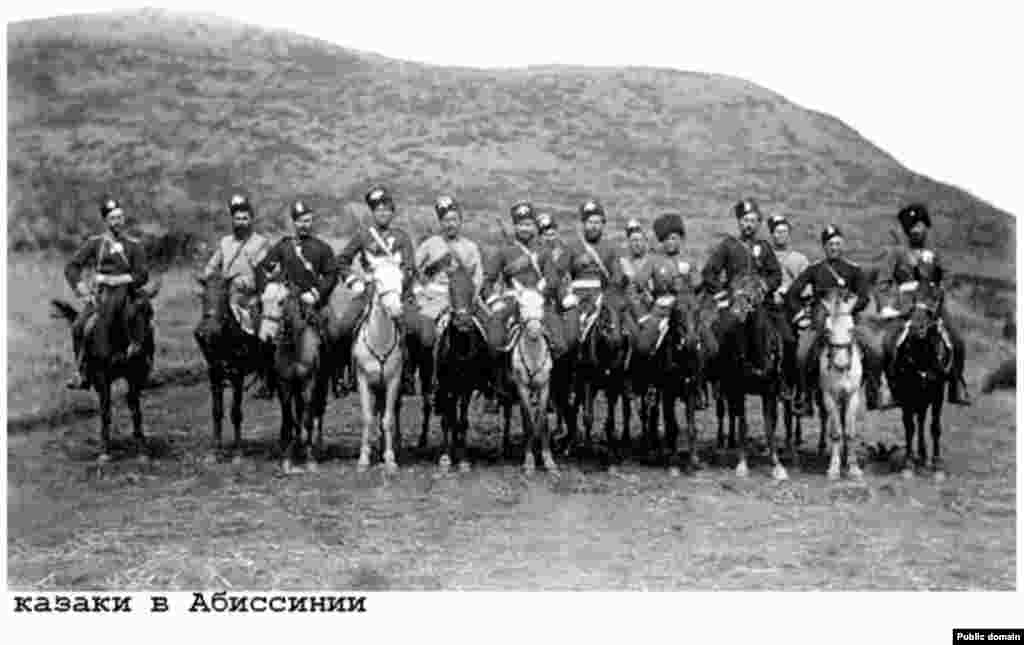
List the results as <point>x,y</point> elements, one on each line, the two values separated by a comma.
<point>175,111</point>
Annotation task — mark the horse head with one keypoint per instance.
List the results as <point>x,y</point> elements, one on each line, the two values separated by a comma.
<point>387,278</point>
<point>531,308</point>
<point>461,296</point>
<point>214,294</point>
<point>273,299</point>
<point>838,307</point>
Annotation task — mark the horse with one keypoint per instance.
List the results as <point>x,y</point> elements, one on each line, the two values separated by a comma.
<point>531,367</point>
<point>918,366</point>
<point>462,366</point>
<point>840,372</point>
<point>230,354</point>
<point>735,380</point>
<point>597,365</point>
<point>671,374</point>
<point>378,353</point>
<point>105,360</point>
<point>302,379</point>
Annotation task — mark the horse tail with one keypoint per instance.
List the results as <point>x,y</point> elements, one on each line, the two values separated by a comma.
<point>62,309</point>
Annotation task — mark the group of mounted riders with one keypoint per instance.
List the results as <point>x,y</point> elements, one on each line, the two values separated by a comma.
<point>635,291</point>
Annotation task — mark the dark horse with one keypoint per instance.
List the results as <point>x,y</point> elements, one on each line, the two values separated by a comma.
<point>230,354</point>
<point>597,365</point>
<point>302,384</point>
<point>104,354</point>
<point>670,374</point>
<point>737,378</point>
<point>918,366</point>
<point>462,366</point>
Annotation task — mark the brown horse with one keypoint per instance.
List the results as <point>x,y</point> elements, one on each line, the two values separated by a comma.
<point>230,354</point>
<point>105,358</point>
<point>736,378</point>
<point>462,366</point>
<point>301,382</point>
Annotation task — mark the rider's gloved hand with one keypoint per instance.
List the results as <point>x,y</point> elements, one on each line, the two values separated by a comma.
<point>309,297</point>
<point>570,301</point>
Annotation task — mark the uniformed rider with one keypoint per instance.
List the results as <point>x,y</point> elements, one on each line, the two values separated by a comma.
<point>919,262</point>
<point>307,263</point>
<point>735,257</point>
<point>120,270</point>
<point>832,272</point>
<point>381,240</point>
<point>236,258</point>
<point>792,263</point>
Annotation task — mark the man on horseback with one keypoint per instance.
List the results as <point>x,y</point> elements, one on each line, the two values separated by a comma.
<point>236,258</point>
<point>832,272</point>
<point>120,271</point>
<point>590,272</point>
<point>656,286</point>
<point>524,260</point>
<point>792,263</point>
<point>917,262</point>
<point>381,240</point>
<point>435,257</point>
<point>736,257</point>
<point>307,263</point>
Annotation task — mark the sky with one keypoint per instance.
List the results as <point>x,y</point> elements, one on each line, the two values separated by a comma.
<point>933,84</point>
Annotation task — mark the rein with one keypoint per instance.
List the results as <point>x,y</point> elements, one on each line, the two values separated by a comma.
<point>377,356</point>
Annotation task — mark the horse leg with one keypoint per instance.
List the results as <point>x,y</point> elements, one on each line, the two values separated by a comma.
<point>850,436</point>
<point>237,390</point>
<point>936,432</point>
<point>134,396</point>
<point>389,424</point>
<point>737,412</point>
<point>627,418</point>
<point>691,428</point>
<point>822,422</point>
<point>544,429</point>
<point>922,450</point>
<point>770,413</point>
<point>463,428</point>
<point>506,430</point>
<point>834,435</point>
<point>669,440</point>
<point>908,430</point>
<point>529,463</point>
<point>368,407</point>
<point>217,395</point>
<point>612,396</point>
<point>447,409</point>
<point>103,389</point>
<point>427,368</point>
<point>720,414</point>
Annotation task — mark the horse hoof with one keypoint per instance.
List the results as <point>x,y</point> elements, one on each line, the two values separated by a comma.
<point>444,462</point>
<point>780,474</point>
<point>833,474</point>
<point>855,473</point>
<point>613,470</point>
<point>143,459</point>
<point>390,468</point>
<point>529,464</point>
<point>741,469</point>
<point>362,466</point>
<point>236,460</point>
<point>210,459</point>
<point>312,467</point>
<point>695,464</point>
<point>464,467</point>
<point>286,467</point>
<point>103,458</point>
<point>674,472</point>
<point>940,476</point>
<point>908,473</point>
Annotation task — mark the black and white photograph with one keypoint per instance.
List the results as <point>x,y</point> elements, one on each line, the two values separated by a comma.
<point>527,296</point>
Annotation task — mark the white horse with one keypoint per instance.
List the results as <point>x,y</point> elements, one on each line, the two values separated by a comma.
<point>841,372</point>
<point>378,353</point>
<point>531,373</point>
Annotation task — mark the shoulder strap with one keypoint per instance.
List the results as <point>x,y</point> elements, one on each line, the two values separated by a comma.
<point>234,257</point>
<point>532,257</point>
<point>839,279</point>
<point>597,258</point>
<point>379,240</point>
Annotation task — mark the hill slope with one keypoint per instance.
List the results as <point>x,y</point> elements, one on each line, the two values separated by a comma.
<point>175,111</point>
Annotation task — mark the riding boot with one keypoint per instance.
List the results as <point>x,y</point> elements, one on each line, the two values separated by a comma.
<point>958,391</point>
<point>493,396</point>
<point>701,399</point>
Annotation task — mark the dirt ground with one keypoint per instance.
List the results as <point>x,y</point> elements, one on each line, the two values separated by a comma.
<point>179,523</point>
